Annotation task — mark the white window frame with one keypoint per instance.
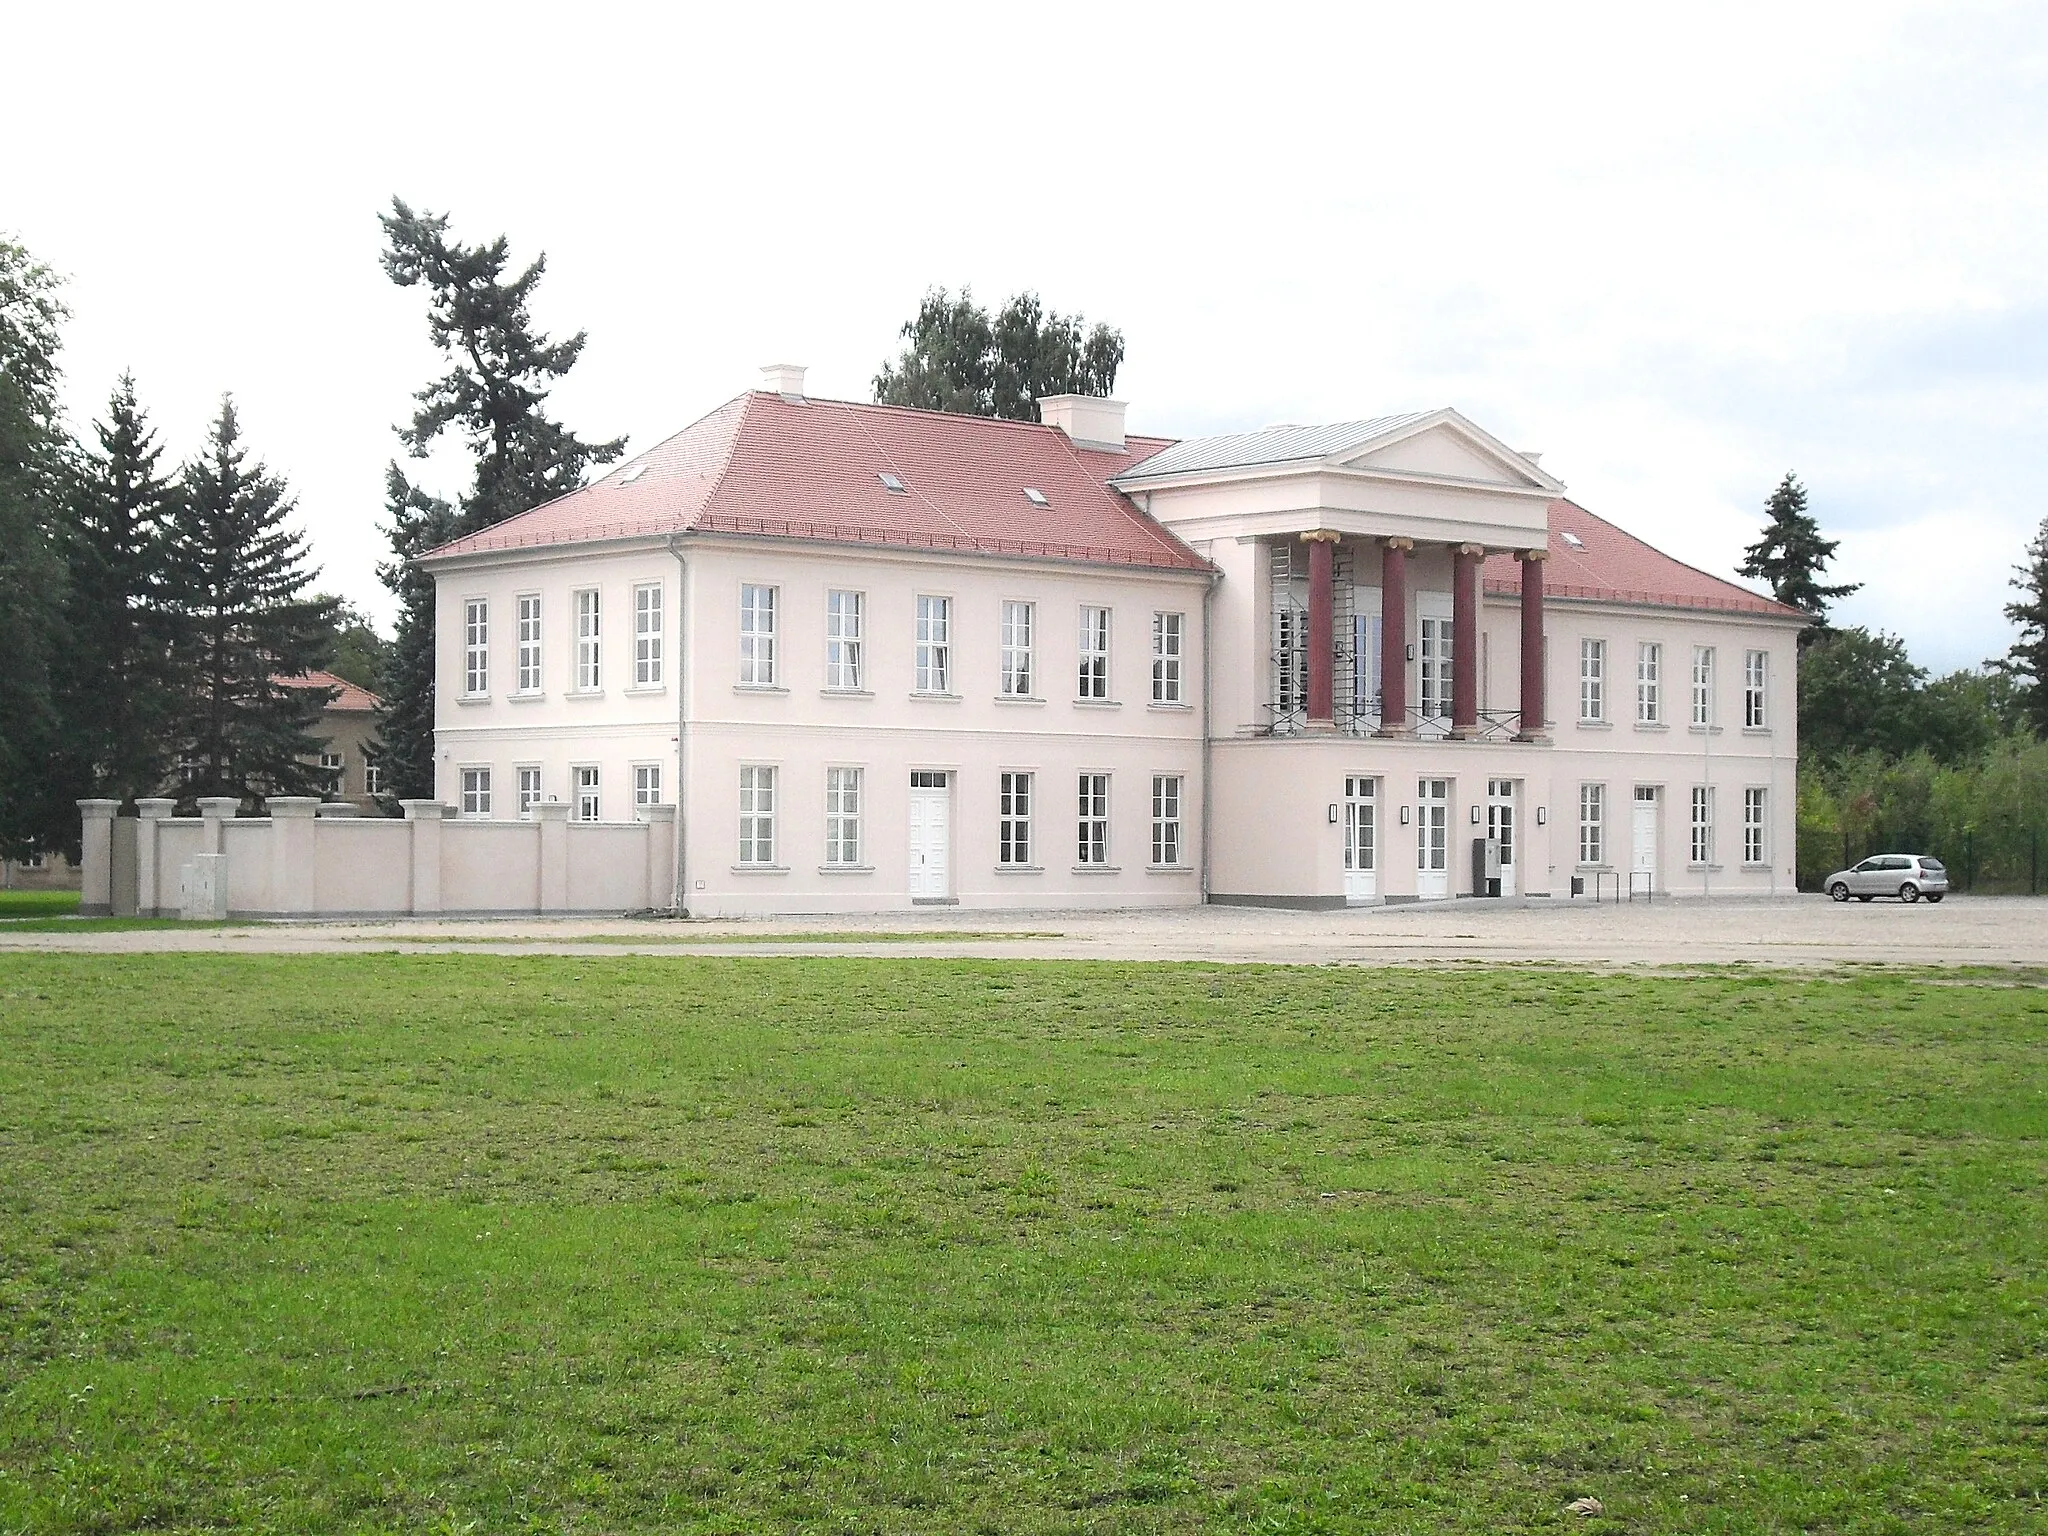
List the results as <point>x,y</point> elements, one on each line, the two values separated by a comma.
<point>1169,841</point>
<point>845,638</point>
<point>589,781</point>
<point>476,647</point>
<point>1091,841</point>
<point>759,602</point>
<point>1702,828</point>
<point>648,623</point>
<point>1650,683</point>
<point>1756,684</point>
<point>1018,642</point>
<point>334,764</point>
<point>1013,830</point>
<point>843,793</point>
<point>1593,681</point>
<point>1703,686</point>
<point>934,644</point>
<point>757,815</point>
<point>526,789</point>
<point>475,779</point>
<point>1091,673</point>
<point>1756,842</point>
<point>1592,824</point>
<point>1169,643</point>
<point>526,619</point>
<point>588,604</point>
<point>373,777</point>
<point>646,784</point>
<point>1433,826</point>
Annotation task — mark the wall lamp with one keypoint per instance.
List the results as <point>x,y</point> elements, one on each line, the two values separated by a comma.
<point>1542,815</point>
<point>1404,815</point>
<point>1475,815</point>
<point>1333,813</point>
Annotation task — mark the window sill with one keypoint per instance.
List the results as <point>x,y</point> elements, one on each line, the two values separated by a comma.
<point>1169,869</point>
<point>845,693</point>
<point>1760,868</point>
<point>532,696</point>
<point>1704,869</point>
<point>760,688</point>
<point>1595,869</point>
<point>922,696</point>
<point>644,689</point>
<point>470,700</point>
<point>1097,869</point>
<point>846,869</point>
<point>584,693</point>
<point>1020,869</point>
<point>1652,725</point>
<point>760,869</point>
<point>1020,698</point>
<point>1756,730</point>
<point>1169,704</point>
<point>1703,730</point>
<point>1098,703</point>
<point>1596,725</point>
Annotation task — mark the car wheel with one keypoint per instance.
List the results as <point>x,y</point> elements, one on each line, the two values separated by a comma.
<point>1909,893</point>
<point>1839,891</point>
<point>1934,895</point>
<point>1865,898</point>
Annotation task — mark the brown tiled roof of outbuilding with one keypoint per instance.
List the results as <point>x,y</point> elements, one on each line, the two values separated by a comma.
<point>348,698</point>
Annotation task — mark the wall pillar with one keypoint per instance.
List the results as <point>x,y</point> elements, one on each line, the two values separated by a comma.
<point>424,817</point>
<point>554,855</point>
<point>661,855</point>
<point>1534,717</point>
<point>1394,638</point>
<point>1466,560</point>
<point>215,812</point>
<point>96,857</point>
<point>1322,629</point>
<point>292,885</point>
<point>149,873</point>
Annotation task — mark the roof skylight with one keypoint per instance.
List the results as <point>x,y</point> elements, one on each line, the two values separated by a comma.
<point>633,474</point>
<point>893,484</point>
<point>1035,496</point>
<point>1571,538</point>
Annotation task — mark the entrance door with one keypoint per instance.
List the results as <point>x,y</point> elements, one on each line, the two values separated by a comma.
<point>1643,845</point>
<point>1500,825</point>
<point>1361,839</point>
<point>930,836</point>
<point>1433,838</point>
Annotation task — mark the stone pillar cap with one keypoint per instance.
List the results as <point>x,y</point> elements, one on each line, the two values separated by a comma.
<point>552,810</point>
<point>293,805</point>
<point>219,807</point>
<point>657,813</point>
<point>155,807</point>
<point>98,810</point>
<point>421,810</point>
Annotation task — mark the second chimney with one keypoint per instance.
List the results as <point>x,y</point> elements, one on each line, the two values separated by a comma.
<point>784,379</point>
<point>1089,421</point>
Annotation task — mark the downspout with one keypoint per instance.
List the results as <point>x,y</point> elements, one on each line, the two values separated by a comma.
<point>683,616</point>
<point>1208,664</point>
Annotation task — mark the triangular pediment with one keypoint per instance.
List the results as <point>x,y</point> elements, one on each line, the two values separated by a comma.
<point>1448,447</point>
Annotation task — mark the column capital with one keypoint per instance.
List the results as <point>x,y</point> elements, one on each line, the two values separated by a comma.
<point>1400,543</point>
<point>1469,549</point>
<point>1321,536</point>
<point>1534,554</point>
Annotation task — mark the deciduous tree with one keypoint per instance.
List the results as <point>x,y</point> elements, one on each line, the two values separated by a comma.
<point>957,358</point>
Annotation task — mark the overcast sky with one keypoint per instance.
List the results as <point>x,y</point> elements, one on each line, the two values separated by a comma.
<point>1678,250</point>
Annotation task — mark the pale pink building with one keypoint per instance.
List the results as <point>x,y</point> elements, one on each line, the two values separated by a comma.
<point>880,657</point>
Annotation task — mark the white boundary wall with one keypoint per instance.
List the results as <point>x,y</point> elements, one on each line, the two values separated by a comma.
<point>299,863</point>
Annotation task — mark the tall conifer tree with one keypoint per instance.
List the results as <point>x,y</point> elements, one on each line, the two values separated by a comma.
<point>238,579</point>
<point>115,682</point>
<point>494,397</point>
<point>2027,662</point>
<point>1791,555</point>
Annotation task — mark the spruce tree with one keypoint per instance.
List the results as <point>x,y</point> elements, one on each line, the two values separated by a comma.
<point>494,397</point>
<point>34,814</point>
<point>2026,664</point>
<point>1791,555</point>
<point>237,580</point>
<point>115,679</point>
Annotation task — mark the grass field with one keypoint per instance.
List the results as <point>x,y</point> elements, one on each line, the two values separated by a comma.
<point>494,1243</point>
<point>37,903</point>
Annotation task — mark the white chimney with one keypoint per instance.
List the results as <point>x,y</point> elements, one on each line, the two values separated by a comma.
<point>784,379</point>
<point>1088,420</point>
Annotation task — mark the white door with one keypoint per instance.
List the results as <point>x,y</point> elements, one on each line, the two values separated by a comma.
<point>930,832</point>
<point>1500,825</point>
<point>1361,840</point>
<point>1643,846</point>
<point>1432,838</point>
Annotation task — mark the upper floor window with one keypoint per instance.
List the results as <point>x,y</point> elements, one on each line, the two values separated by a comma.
<point>757,636</point>
<point>1093,679</point>
<point>646,784</point>
<point>527,789</point>
<point>1019,677</point>
<point>934,644</point>
<point>843,640</point>
<point>332,765</point>
<point>528,637</point>
<point>647,635</point>
<point>1166,657</point>
<point>476,648</point>
<point>476,791</point>
<point>1649,683</point>
<point>1592,679</point>
<point>587,805</point>
<point>1756,673</point>
<point>1702,690</point>
<point>589,641</point>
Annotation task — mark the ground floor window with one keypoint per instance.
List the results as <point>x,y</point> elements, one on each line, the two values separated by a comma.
<point>1592,823</point>
<point>757,815</point>
<point>476,791</point>
<point>1166,828</point>
<point>586,794</point>
<point>1093,822</point>
<point>842,815</point>
<point>1703,824</point>
<point>646,784</point>
<point>1753,847</point>
<point>1013,832</point>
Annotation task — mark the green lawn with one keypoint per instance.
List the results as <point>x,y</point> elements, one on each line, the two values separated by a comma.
<point>494,1243</point>
<point>37,903</point>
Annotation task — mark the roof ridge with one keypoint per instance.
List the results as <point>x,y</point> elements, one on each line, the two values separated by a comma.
<point>926,410</point>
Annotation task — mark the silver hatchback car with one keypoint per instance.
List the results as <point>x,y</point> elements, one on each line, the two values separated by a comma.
<point>1908,876</point>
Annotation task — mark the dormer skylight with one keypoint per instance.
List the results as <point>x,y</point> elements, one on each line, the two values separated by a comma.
<point>893,484</point>
<point>633,474</point>
<point>1571,538</point>
<point>1035,496</point>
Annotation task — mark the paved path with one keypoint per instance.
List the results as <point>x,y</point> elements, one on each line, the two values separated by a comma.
<point>1787,931</point>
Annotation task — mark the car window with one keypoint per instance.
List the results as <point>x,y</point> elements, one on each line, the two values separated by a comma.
<point>1934,864</point>
<point>1867,865</point>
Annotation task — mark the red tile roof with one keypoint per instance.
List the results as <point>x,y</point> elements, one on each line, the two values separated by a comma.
<point>811,469</point>
<point>348,698</point>
<point>1617,567</point>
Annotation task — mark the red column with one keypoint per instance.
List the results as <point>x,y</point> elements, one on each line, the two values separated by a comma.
<point>1322,636</point>
<point>1465,559</point>
<point>1394,637</point>
<point>1533,716</point>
